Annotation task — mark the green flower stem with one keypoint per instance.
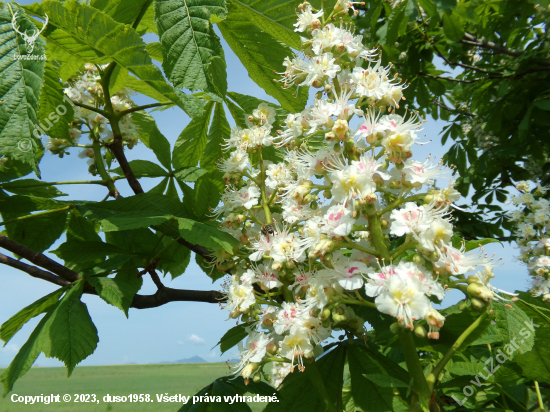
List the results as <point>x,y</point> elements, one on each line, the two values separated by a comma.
<point>405,246</point>
<point>36,214</point>
<point>102,171</point>
<point>420,385</point>
<point>265,203</point>
<point>358,302</point>
<point>434,375</point>
<point>539,397</point>
<point>272,197</point>
<point>315,377</point>
<point>352,245</point>
<point>401,200</point>
<point>75,182</point>
<point>377,237</point>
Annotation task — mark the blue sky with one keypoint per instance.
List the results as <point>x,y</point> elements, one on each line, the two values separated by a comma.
<point>180,329</point>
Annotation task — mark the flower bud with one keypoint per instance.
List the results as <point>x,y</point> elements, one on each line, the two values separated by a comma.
<point>325,314</point>
<point>418,259</point>
<point>420,332</point>
<point>257,378</point>
<point>394,328</point>
<point>277,265</point>
<point>248,370</point>
<point>478,304</point>
<point>463,304</point>
<point>472,279</point>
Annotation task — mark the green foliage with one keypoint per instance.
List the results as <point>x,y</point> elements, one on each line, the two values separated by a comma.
<point>303,392</point>
<point>187,39</point>
<point>231,338</point>
<point>107,41</point>
<point>152,137</point>
<point>20,84</point>
<point>493,88</point>
<point>66,332</point>
<point>261,54</point>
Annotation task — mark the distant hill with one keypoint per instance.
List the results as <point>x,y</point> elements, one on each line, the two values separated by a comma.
<point>194,359</point>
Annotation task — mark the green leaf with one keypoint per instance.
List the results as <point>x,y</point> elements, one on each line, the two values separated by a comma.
<point>217,76</point>
<point>26,356</point>
<point>394,22</point>
<point>474,244</point>
<point>143,168</point>
<point>261,55</point>
<point>31,187</point>
<point>364,362</point>
<point>88,34</point>
<point>79,228</point>
<point>386,381</point>
<point>445,4</point>
<point>208,192</point>
<point>275,17</point>
<point>232,337</point>
<point>38,233</point>
<point>151,137</point>
<point>206,235</point>
<point>66,333</point>
<point>536,363</point>
<point>71,335</point>
<point>155,51</point>
<point>452,26</point>
<point>123,11</point>
<point>219,130</point>
<point>224,387</point>
<point>20,84</point>
<point>189,174</point>
<point>55,112</point>
<point>188,40</point>
<point>192,140</point>
<point>132,220</point>
<point>27,204</point>
<point>298,393</point>
<point>10,327</point>
<point>118,292</point>
<point>174,259</point>
<point>85,251</point>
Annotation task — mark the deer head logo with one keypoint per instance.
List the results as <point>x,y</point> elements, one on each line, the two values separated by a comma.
<point>29,35</point>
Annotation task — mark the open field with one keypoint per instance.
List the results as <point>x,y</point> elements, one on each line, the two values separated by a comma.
<point>118,380</point>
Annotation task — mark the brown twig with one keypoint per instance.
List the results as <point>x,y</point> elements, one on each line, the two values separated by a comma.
<point>33,271</point>
<point>451,79</point>
<point>450,109</point>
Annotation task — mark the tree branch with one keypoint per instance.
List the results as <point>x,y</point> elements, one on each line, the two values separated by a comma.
<point>118,151</point>
<point>475,41</point>
<point>33,271</point>
<point>451,79</point>
<point>450,109</point>
<point>38,259</point>
<point>91,108</point>
<point>163,296</point>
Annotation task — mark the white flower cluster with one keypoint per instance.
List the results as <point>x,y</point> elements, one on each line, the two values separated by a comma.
<point>533,231</point>
<point>345,218</point>
<point>86,89</point>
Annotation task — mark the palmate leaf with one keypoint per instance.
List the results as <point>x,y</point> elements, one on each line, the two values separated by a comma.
<point>83,32</point>
<point>123,11</point>
<point>261,54</point>
<point>71,335</point>
<point>151,137</point>
<point>274,17</point>
<point>192,140</point>
<point>188,40</point>
<point>143,168</point>
<point>66,332</point>
<point>206,235</point>
<point>231,338</point>
<point>52,106</point>
<point>10,327</point>
<point>118,291</point>
<point>219,130</point>
<point>31,187</point>
<point>299,394</point>
<point>20,84</point>
<point>40,232</point>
